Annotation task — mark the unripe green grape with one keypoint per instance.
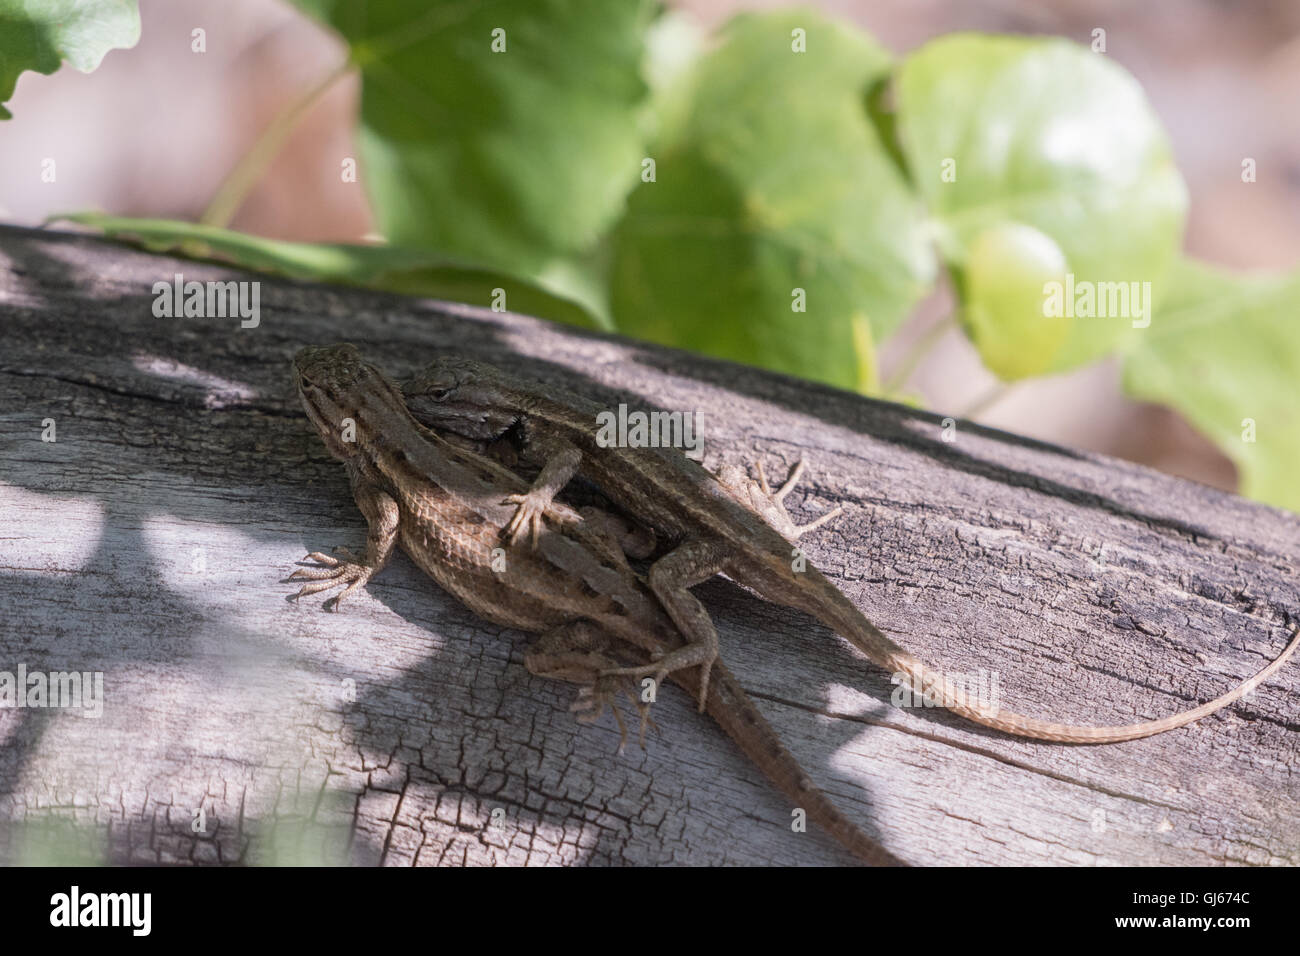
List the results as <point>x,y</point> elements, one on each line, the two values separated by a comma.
<point>1006,272</point>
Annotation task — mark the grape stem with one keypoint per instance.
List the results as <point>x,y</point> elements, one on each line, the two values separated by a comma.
<point>917,353</point>
<point>234,189</point>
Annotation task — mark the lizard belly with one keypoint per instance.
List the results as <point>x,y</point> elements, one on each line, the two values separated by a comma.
<point>464,562</point>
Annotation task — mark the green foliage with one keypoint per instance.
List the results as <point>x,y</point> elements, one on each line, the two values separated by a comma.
<point>389,268</point>
<point>40,34</point>
<point>774,180</point>
<point>1222,349</point>
<point>505,158</point>
<point>805,191</point>
<point>1051,135</point>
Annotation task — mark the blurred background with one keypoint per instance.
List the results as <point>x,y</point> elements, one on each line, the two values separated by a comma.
<point>156,128</point>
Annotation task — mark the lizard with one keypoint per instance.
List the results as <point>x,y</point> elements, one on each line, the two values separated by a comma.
<point>709,529</point>
<point>441,503</point>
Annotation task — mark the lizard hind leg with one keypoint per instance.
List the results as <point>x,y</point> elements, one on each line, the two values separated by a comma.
<point>582,653</point>
<point>670,578</point>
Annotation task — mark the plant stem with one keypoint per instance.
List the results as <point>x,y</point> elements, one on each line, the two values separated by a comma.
<point>982,404</point>
<point>919,350</point>
<point>234,189</point>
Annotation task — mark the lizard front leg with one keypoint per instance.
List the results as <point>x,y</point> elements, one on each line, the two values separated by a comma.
<point>687,565</point>
<point>382,517</point>
<point>582,653</point>
<point>562,463</point>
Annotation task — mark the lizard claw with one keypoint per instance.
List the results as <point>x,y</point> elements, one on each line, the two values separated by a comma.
<point>593,699</point>
<point>591,703</point>
<point>689,656</point>
<point>333,574</point>
<point>527,520</point>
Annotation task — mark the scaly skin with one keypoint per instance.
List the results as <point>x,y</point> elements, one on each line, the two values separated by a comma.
<point>709,530</point>
<point>443,506</point>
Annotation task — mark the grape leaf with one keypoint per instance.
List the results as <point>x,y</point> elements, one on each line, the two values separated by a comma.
<point>770,180</point>
<point>405,270</point>
<point>504,159</point>
<point>1044,133</point>
<point>1222,349</point>
<point>39,34</point>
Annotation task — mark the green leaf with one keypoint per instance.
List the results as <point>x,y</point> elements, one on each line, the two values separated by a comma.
<point>505,159</point>
<point>1047,134</point>
<point>770,180</point>
<point>1222,349</point>
<point>388,268</point>
<point>39,34</point>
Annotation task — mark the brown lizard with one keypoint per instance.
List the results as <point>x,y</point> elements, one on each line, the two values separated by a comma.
<point>443,506</point>
<point>709,530</point>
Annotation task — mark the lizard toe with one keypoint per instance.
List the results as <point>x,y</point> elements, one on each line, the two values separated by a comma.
<point>331,573</point>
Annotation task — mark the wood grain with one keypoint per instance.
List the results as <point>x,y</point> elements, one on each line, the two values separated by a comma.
<point>150,541</point>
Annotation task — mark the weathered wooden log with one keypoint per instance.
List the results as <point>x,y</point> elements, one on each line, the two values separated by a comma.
<point>149,541</point>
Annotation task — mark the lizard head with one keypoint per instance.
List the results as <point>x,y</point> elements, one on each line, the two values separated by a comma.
<point>468,398</point>
<point>331,380</point>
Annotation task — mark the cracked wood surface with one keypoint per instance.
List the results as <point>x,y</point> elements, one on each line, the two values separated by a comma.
<point>150,541</point>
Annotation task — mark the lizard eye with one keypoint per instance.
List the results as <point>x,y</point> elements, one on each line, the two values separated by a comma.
<point>438,394</point>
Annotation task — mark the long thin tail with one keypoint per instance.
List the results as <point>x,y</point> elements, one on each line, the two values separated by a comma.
<point>735,712</point>
<point>848,621</point>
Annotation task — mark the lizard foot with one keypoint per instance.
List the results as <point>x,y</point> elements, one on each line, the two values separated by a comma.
<point>692,655</point>
<point>528,519</point>
<point>579,652</point>
<point>768,504</point>
<point>333,574</point>
<point>593,699</point>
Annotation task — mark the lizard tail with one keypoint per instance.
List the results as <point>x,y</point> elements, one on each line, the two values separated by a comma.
<point>737,715</point>
<point>849,621</point>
